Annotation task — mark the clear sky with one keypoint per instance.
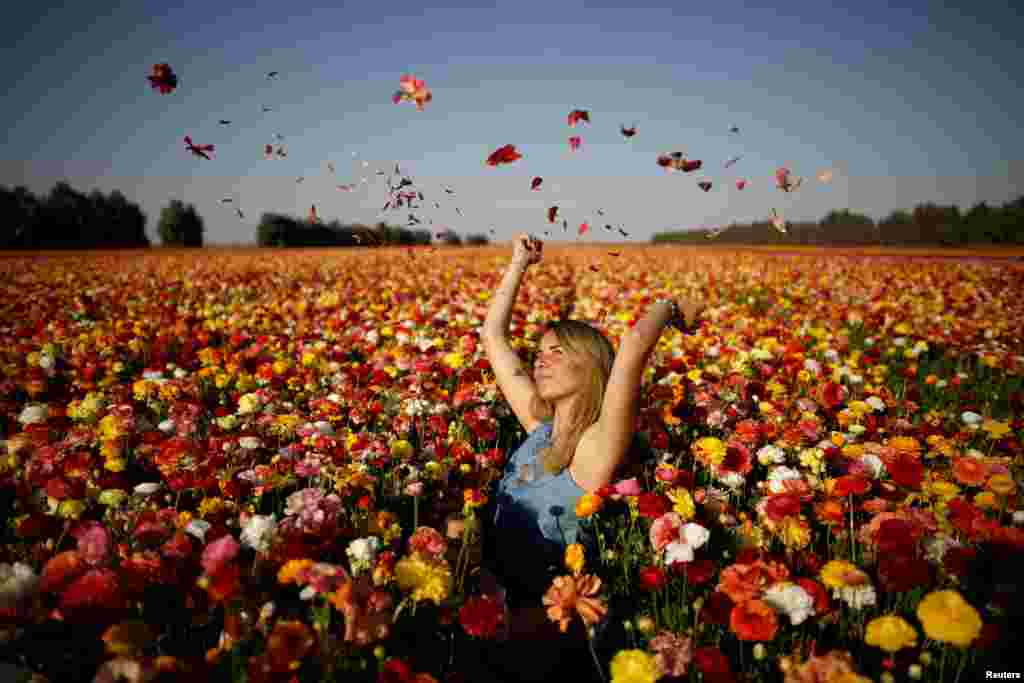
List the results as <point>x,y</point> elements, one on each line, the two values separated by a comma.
<point>921,102</point>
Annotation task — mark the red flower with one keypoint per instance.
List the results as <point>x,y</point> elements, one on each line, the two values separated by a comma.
<point>850,485</point>
<point>95,589</point>
<point>754,620</point>
<point>822,604</point>
<point>652,505</point>
<point>695,573</point>
<point>900,572</point>
<point>652,578</point>
<point>481,616</point>
<point>831,395</point>
<point>779,507</point>
<point>711,660</point>
<point>957,560</point>
<point>217,554</point>
<point>896,536</point>
<point>504,155</point>
<point>906,470</point>
<point>61,570</point>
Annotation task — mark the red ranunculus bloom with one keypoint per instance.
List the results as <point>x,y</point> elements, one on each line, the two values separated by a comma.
<point>896,536</point>
<point>822,604</point>
<point>716,609</point>
<point>779,507</point>
<point>957,560</point>
<point>481,616</point>
<point>652,505</point>
<point>652,578</point>
<point>850,485</point>
<point>900,572</point>
<point>696,573</point>
<point>754,620</point>
<point>906,470</point>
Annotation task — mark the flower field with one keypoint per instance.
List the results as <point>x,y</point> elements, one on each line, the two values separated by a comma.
<point>268,465</point>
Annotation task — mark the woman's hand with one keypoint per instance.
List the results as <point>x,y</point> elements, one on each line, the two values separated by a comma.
<point>527,250</point>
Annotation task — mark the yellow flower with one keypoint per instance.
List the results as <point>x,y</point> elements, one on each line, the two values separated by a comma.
<point>427,580</point>
<point>211,505</point>
<point>996,429</point>
<point>634,666</point>
<point>891,633</point>
<point>682,503</point>
<point>841,574</point>
<point>454,360</point>
<point>709,450</point>
<point>986,500</point>
<point>71,509</point>
<point>943,489</point>
<point>401,449</point>
<point>574,559</point>
<point>795,533</point>
<point>1001,484</point>
<point>110,428</point>
<point>112,497</point>
<point>115,464</point>
<point>849,677</point>
<point>947,617</point>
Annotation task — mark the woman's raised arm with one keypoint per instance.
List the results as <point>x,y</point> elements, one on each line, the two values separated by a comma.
<point>513,379</point>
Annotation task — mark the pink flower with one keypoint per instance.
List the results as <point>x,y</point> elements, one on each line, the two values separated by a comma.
<point>665,530</point>
<point>428,541</point>
<point>628,487</point>
<point>93,542</point>
<point>219,553</point>
<point>97,588</point>
<point>672,653</point>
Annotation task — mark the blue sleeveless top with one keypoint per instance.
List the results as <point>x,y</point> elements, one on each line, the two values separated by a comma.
<point>535,517</point>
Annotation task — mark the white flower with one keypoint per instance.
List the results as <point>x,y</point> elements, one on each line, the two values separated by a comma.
<point>250,442</point>
<point>180,373</point>
<point>324,427</point>
<point>792,599</point>
<point>17,583</point>
<point>167,426</point>
<point>362,552</point>
<point>34,413</point>
<point>857,597</point>
<point>46,361</point>
<point>691,537</point>
<point>971,419</point>
<point>258,532</point>
<point>152,374</point>
<point>771,455</point>
<point>812,366</point>
<point>782,473</point>
<point>198,528</point>
<point>733,480</point>
<point>877,404</point>
<point>831,355</point>
<point>148,488</point>
<point>854,378</point>
<point>874,464</point>
<point>1018,517</point>
<point>935,547</point>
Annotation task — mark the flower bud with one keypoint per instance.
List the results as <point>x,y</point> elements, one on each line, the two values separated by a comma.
<point>887,677</point>
<point>380,653</point>
<point>914,671</point>
<point>760,652</point>
<point>925,658</point>
<point>645,625</point>
<point>627,624</point>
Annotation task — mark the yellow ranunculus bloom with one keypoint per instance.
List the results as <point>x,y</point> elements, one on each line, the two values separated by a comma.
<point>634,666</point>
<point>682,503</point>
<point>947,617</point>
<point>840,574</point>
<point>795,533</point>
<point>112,497</point>
<point>71,509</point>
<point>709,450</point>
<point>574,558</point>
<point>891,633</point>
<point>1001,484</point>
<point>115,464</point>
<point>996,429</point>
<point>427,580</point>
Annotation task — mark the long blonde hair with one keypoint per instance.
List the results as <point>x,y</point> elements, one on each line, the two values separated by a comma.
<point>589,352</point>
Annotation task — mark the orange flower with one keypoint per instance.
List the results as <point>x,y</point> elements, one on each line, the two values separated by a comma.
<point>831,511</point>
<point>570,595</point>
<point>288,644</point>
<point>970,471</point>
<point>742,582</point>
<point>905,445</point>
<point>588,504</point>
<point>754,620</point>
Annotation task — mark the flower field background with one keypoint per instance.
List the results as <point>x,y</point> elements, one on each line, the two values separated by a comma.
<point>270,465</point>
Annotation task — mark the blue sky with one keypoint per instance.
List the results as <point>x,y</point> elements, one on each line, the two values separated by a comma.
<point>917,103</point>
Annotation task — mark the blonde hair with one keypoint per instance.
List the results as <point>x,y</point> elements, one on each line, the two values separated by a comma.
<point>590,352</point>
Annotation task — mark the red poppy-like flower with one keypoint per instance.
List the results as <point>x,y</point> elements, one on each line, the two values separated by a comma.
<point>896,536</point>
<point>717,608</point>
<point>900,572</point>
<point>574,142</point>
<point>695,573</point>
<point>822,603</point>
<point>958,559</point>
<point>481,616</point>
<point>97,588</point>
<point>652,505</point>
<point>780,506</point>
<point>652,578</point>
<point>754,620</point>
<point>163,78</point>
<point>848,485</point>
<point>738,458</point>
<point>831,395</point>
<point>60,570</point>
<point>428,541</point>
<point>906,470</point>
<point>711,660</point>
<point>577,115</point>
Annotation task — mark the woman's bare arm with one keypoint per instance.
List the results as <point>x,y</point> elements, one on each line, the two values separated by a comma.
<point>513,379</point>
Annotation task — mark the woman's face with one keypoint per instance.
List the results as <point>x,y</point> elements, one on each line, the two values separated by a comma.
<point>555,372</point>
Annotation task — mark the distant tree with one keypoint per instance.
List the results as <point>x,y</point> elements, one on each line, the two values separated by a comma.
<point>477,240</point>
<point>273,230</point>
<point>180,225</point>
<point>451,238</point>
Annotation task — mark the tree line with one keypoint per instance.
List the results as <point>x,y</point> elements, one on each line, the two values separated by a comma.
<point>68,219</point>
<point>282,230</point>
<point>927,224</point>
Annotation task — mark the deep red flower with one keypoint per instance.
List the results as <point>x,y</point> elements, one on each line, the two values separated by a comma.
<point>850,485</point>
<point>778,507</point>
<point>696,573</point>
<point>97,589</point>
<point>822,603</point>
<point>60,570</point>
<point>653,578</point>
<point>652,505</point>
<point>717,608</point>
<point>906,470</point>
<point>481,616</point>
<point>896,536</point>
<point>900,572</point>
<point>957,560</point>
<point>711,660</point>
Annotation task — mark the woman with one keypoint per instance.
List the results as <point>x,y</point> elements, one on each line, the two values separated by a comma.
<point>579,410</point>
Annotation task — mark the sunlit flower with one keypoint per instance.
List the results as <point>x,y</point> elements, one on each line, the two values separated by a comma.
<point>569,595</point>
<point>947,617</point>
<point>427,580</point>
<point>634,666</point>
<point>891,633</point>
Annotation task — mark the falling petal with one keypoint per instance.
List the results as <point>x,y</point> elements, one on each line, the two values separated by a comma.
<point>583,229</point>
<point>577,115</point>
<point>732,160</point>
<point>595,268</point>
<point>536,183</point>
<point>825,176</point>
<point>299,179</point>
<point>740,184</point>
<point>627,132</point>
<point>448,190</point>
<point>734,129</point>
<point>504,155</point>
<point>614,253</point>
<point>240,214</point>
<point>704,185</point>
<point>163,78</point>
<point>272,74</point>
<point>225,122</point>
<point>574,142</point>
<point>552,214</point>
<point>778,222</point>
<point>624,233</point>
<point>198,150</point>
<point>313,217</point>
<point>330,167</point>
<point>565,226</point>
<point>226,200</point>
